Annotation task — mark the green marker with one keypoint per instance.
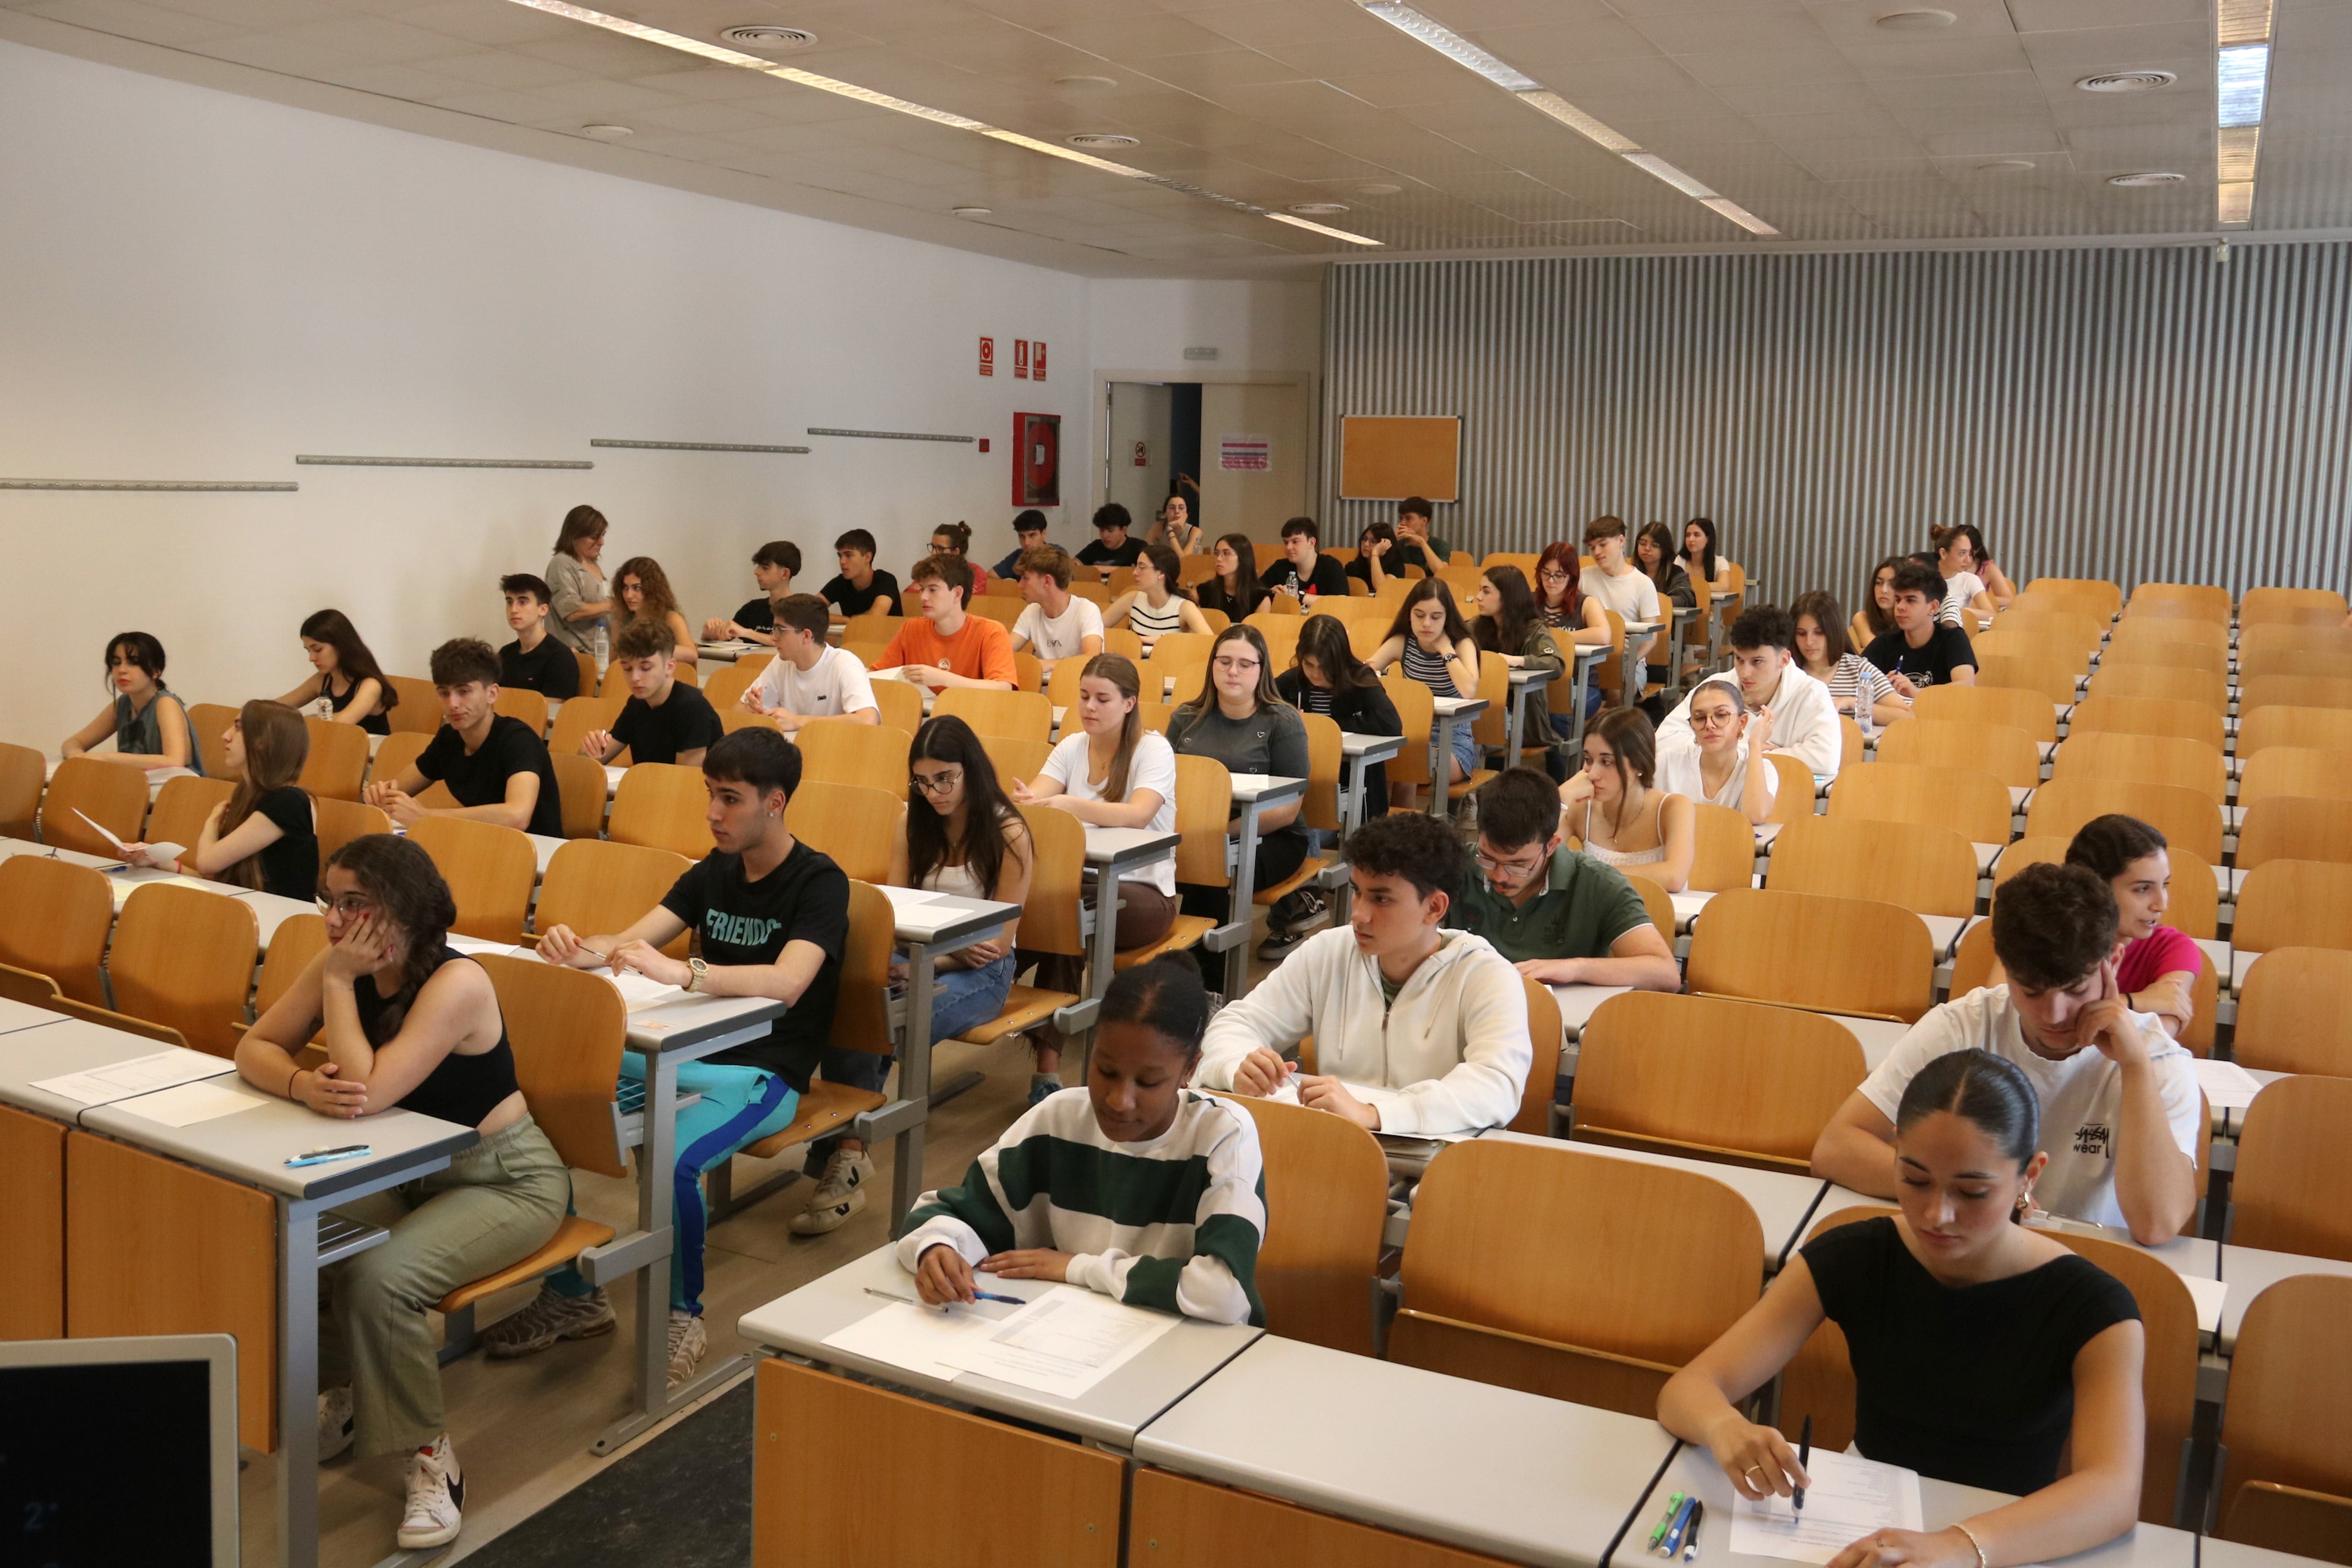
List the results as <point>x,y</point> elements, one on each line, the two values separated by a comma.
<point>1673,1506</point>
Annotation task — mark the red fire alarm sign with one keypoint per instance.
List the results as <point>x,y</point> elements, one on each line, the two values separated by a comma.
<point>1037,360</point>
<point>1021,359</point>
<point>988,356</point>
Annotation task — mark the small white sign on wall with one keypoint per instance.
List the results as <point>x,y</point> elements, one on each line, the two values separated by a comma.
<point>1245,453</point>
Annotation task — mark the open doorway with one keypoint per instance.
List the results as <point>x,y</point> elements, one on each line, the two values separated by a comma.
<point>1235,451</point>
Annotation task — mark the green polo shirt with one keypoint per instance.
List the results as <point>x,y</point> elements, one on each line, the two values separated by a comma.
<point>1584,908</point>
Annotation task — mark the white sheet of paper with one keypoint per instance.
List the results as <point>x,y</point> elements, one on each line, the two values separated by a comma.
<point>913,1337</point>
<point>902,898</point>
<point>1850,1497</point>
<point>163,850</point>
<point>1064,1342</point>
<point>2227,1086</point>
<point>642,990</point>
<point>191,1102</point>
<point>2209,1295</point>
<point>166,1068</point>
<point>122,891</point>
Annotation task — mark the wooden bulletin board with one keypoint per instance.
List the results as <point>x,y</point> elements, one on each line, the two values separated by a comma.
<point>1384,458</point>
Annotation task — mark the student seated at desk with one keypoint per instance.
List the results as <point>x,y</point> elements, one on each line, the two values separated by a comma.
<point>664,720</point>
<point>859,589</point>
<point>809,679</point>
<point>1055,624</point>
<point>1108,771</point>
<point>1700,558</point>
<point>1413,526</point>
<point>1418,1029</point>
<point>2155,966</point>
<point>497,767</point>
<point>1380,558</point>
<point>1158,602</point>
<point>946,646</point>
<point>773,566</point>
<point>146,718</point>
<point>1804,716</point>
<point>1134,1185</point>
<point>1303,570</point>
<point>1325,676</point>
<point>1922,650</point>
<point>2118,1095</point>
<point>1239,719</point>
<point>1967,597</point>
<point>1504,622</point>
<point>1028,534</point>
<point>1235,591</point>
<point>773,915</point>
<point>1614,581</point>
<point>1561,917</point>
<point>1979,1348</point>
<point>347,686</point>
<point>411,1023</point>
<point>962,835</point>
<point>1617,811</point>
<point>1114,544</point>
<point>1825,652</point>
<point>1172,525</point>
<point>264,836</point>
<point>1723,762</point>
<point>1432,643</point>
<point>955,539</point>
<point>535,660</point>
<point>1571,615</point>
<point>1653,557</point>
<point>644,591</point>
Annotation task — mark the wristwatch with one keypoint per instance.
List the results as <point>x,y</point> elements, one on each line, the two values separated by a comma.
<point>702,972</point>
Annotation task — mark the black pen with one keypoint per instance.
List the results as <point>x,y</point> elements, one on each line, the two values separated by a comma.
<point>1690,1540</point>
<point>1804,1461</point>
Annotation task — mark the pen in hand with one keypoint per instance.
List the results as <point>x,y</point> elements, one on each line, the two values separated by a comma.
<point>1804,1462</point>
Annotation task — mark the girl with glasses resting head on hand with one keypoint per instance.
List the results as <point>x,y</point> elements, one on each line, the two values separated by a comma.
<point>1980,1348</point>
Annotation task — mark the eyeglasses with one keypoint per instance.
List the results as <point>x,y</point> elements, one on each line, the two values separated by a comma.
<point>1237,666</point>
<point>1552,575</point>
<point>349,904</point>
<point>1715,718</point>
<point>1514,869</point>
<point>937,784</point>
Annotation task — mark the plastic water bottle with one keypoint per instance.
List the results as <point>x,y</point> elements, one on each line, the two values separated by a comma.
<point>604,645</point>
<point>1862,705</point>
<point>325,707</point>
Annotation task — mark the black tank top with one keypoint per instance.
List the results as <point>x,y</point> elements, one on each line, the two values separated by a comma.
<point>463,1090</point>
<point>375,723</point>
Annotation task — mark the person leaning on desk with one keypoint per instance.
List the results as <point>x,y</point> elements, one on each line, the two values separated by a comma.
<point>1980,1348</point>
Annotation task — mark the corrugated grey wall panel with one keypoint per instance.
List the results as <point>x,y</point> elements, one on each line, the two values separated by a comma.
<point>2139,414</point>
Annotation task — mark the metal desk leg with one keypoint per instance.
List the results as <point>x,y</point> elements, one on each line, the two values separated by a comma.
<point>1440,773</point>
<point>1583,686</point>
<point>297,1383</point>
<point>1514,724</point>
<point>1676,622</point>
<point>1237,956</point>
<point>656,1171</point>
<point>914,1083</point>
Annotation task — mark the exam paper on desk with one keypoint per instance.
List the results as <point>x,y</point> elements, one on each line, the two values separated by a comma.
<point>1064,1342</point>
<point>2227,1086</point>
<point>1850,1497</point>
<point>915,1337</point>
<point>161,1070</point>
<point>208,1101</point>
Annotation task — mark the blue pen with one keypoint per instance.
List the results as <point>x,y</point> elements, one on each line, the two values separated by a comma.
<point>320,1156</point>
<point>1681,1522</point>
<point>992,1296</point>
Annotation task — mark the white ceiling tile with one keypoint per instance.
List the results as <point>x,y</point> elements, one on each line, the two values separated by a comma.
<point>490,67</point>
<point>2006,139</point>
<point>1144,37</point>
<point>2118,49</point>
<point>1813,63</point>
<point>1554,43</point>
<point>132,19</point>
<point>255,16</point>
<point>2320,30</point>
<point>1443,83</point>
<point>1844,22</point>
<point>1858,161</point>
<point>516,108</point>
<point>1211,73</point>
<point>1760,30</point>
<point>1759,101</point>
<point>373,38</point>
<point>1831,125</point>
<point>2063,15</point>
<point>494,25</point>
<point>274,52</point>
<point>1937,57</point>
<point>395,82</point>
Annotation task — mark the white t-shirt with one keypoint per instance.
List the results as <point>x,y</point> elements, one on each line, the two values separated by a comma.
<point>1959,593</point>
<point>1062,636</point>
<point>1633,597</point>
<point>1153,767</point>
<point>2081,1097</point>
<point>1678,773</point>
<point>833,687</point>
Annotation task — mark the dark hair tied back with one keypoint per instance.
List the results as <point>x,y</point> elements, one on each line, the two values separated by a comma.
<point>1981,1087</point>
<point>1165,996</point>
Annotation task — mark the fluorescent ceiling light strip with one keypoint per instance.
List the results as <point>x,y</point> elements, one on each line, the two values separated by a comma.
<point>1650,163</point>
<point>2237,153</point>
<point>795,75</point>
<point>2239,76</point>
<point>2237,203</point>
<point>1452,45</point>
<point>1739,215</point>
<point>1543,100</point>
<point>2244,21</point>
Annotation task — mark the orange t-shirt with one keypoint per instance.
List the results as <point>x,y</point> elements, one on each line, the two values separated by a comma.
<point>982,650</point>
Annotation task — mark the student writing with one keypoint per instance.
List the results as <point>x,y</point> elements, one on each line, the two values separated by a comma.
<point>347,682</point>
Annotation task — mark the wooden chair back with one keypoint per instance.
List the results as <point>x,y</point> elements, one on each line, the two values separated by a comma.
<point>1857,956</point>
<point>2052,679</point>
<point>2180,601</point>
<point>2292,1520</point>
<point>1659,904</point>
<point>1974,964</point>
<point>2030,645</point>
<point>567,1027</point>
<point>2024,711</point>
<point>1012,759</point>
<point>1124,643</point>
<point>2168,1317</point>
<point>2004,751</point>
<point>54,919</point>
<point>2185,816</point>
<point>899,705</point>
<point>852,822</point>
<point>1281,634</point>
<point>2294,903</point>
<point>1418,716</point>
<point>1724,854</point>
<point>2148,716</point>
<point>2096,597</point>
<point>861,1013</point>
<point>183,958</point>
<point>1540,1092</point>
<point>1325,1201</point>
<point>579,715</point>
<point>2312,729</point>
<point>1819,1379</point>
<point>1025,715</point>
<point>2145,759</point>
<point>1364,636</point>
<point>1927,870</point>
<point>2204,688</point>
<point>419,712</point>
<point>1738,1082</point>
<point>2059,637</point>
<point>1968,801</point>
<point>182,807</point>
<point>338,759</point>
<point>208,725</point>
<point>338,822</point>
<point>1049,919</point>
<point>2290,1384</point>
<point>109,794</point>
<point>2273,638</point>
<point>2295,1012</point>
<point>877,626</point>
<point>1851,750</point>
<point>2160,655</point>
<point>1003,608</point>
<point>1321,808</point>
<point>1156,715</point>
<point>728,683</point>
<point>1533,1266</point>
<point>2149,632</point>
<point>1028,672</point>
<point>663,806</point>
<point>530,707</point>
<point>2291,606</point>
<point>842,751</point>
<point>293,945</point>
<point>397,751</point>
<point>1204,801</point>
<point>594,887</point>
<point>24,986</point>
<point>2337,665</point>
<point>1183,656</point>
<point>2294,691</point>
<point>23,775</point>
<point>491,871</point>
<point>2294,827</point>
<point>1793,797</point>
<point>581,788</point>
<point>2292,1163</point>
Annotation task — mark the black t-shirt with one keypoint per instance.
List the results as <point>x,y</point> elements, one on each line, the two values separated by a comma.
<point>684,722</point>
<point>1212,596</point>
<point>1400,554</point>
<point>883,590</point>
<point>289,867</point>
<point>1101,554</point>
<point>482,779</point>
<point>1976,1384</point>
<point>1327,577</point>
<point>806,899</point>
<point>551,669</point>
<point>757,615</point>
<point>1947,649</point>
<point>375,723</point>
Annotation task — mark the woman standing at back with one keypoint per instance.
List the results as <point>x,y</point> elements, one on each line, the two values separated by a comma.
<point>583,604</point>
<point>349,682</point>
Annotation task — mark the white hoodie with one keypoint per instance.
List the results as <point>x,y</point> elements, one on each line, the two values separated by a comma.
<point>1450,1055</point>
<point>1804,723</point>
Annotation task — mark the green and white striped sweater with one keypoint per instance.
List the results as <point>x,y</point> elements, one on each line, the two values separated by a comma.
<point>1173,1222</point>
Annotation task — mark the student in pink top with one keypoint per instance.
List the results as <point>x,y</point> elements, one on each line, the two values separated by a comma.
<point>2156,965</point>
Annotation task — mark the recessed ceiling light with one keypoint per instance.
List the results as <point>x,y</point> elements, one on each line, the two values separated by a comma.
<point>2150,177</point>
<point>607,132</point>
<point>1103,138</point>
<point>1922,21</point>
<point>971,212</point>
<point>2127,81</point>
<point>765,35</point>
<point>1090,83</point>
<point>1319,209</point>
<point>1377,190</point>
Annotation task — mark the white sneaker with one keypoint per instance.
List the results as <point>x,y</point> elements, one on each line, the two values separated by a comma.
<point>335,1424</point>
<point>686,1344</point>
<point>840,1193</point>
<point>437,1491</point>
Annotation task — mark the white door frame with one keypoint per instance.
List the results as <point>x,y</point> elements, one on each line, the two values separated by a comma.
<point>1307,382</point>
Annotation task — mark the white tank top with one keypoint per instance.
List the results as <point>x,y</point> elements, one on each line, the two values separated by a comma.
<point>1614,857</point>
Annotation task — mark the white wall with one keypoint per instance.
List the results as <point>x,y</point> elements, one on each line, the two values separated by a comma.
<point>1146,324</point>
<point>198,286</point>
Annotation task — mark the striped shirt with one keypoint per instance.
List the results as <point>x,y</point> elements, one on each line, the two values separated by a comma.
<point>1173,1222</point>
<point>1855,673</point>
<point>1151,624</point>
<point>1429,668</point>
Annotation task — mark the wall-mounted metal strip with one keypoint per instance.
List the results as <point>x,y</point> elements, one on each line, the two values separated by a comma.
<point>697,446</point>
<point>892,434</point>
<point>146,485</point>
<point>2139,414</point>
<point>446,462</point>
